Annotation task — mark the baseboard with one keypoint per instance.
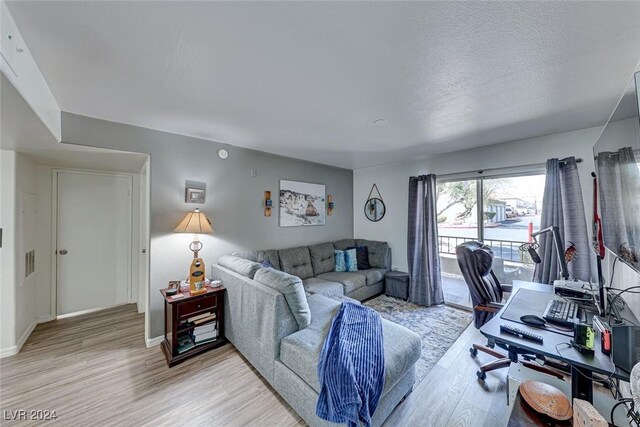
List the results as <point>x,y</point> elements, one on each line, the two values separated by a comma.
<point>9,351</point>
<point>15,349</point>
<point>154,341</point>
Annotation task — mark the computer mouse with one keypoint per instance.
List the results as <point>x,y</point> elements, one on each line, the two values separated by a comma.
<point>532,320</point>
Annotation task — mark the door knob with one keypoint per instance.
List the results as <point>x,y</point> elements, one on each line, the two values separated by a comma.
<point>63,252</point>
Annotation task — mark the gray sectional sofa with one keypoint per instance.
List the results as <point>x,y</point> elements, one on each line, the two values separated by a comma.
<point>278,319</point>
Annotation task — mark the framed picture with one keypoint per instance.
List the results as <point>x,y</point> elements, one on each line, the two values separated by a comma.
<point>301,203</point>
<point>195,195</point>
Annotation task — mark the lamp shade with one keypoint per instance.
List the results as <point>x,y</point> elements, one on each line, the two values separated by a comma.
<point>194,222</point>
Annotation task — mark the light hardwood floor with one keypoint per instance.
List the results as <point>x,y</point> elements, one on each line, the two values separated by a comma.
<point>95,370</point>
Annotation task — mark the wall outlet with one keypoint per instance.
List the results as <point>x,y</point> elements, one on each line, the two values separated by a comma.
<point>254,172</point>
<point>394,268</point>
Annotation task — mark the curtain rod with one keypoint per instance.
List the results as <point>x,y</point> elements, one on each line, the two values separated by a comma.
<point>481,171</point>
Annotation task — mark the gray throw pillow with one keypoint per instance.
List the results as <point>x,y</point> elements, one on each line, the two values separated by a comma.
<point>292,289</point>
<point>240,265</point>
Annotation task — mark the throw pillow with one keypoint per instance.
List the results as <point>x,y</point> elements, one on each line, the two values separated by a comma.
<point>362,256</point>
<point>340,262</point>
<point>266,264</point>
<point>351,260</point>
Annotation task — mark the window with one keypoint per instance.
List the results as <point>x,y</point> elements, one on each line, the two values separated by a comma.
<point>500,211</point>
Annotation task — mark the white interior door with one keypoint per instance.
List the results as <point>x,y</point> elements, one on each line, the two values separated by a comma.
<point>93,241</point>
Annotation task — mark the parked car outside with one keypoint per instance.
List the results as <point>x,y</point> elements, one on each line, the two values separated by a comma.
<point>510,212</point>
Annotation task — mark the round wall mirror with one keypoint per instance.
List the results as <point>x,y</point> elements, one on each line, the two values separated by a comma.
<point>374,209</point>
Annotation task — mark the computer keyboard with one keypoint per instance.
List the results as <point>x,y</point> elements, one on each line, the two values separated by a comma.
<point>563,313</point>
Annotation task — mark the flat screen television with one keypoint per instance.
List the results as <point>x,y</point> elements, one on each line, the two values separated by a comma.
<point>617,161</point>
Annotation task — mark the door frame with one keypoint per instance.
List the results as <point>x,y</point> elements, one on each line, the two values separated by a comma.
<point>54,231</point>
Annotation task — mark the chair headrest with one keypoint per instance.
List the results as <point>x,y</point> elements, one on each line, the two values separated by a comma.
<point>482,254</point>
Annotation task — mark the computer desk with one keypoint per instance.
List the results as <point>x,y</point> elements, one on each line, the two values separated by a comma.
<point>554,344</point>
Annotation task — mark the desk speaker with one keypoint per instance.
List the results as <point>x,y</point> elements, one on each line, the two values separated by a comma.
<point>625,346</point>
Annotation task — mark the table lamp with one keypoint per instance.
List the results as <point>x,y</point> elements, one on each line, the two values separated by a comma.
<point>197,223</point>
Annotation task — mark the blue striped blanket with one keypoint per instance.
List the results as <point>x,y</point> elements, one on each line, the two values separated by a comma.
<point>351,366</point>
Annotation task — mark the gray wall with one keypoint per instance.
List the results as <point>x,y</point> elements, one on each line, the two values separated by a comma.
<point>234,197</point>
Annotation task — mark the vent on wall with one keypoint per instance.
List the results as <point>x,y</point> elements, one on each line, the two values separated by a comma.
<point>29,263</point>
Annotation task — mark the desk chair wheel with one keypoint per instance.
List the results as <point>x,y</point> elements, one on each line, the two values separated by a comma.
<point>481,375</point>
<point>473,351</point>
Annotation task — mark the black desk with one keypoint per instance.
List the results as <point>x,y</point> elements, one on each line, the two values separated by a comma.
<point>554,345</point>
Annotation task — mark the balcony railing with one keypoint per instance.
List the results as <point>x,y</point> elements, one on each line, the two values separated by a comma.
<point>508,250</point>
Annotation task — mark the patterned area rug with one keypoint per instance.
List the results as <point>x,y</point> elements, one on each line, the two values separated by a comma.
<point>438,327</point>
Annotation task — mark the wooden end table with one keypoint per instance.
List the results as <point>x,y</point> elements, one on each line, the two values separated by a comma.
<point>179,314</point>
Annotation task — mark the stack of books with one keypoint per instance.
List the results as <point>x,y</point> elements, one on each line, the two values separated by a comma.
<point>199,319</point>
<point>205,333</point>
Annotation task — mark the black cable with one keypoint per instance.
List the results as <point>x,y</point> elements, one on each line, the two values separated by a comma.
<point>617,299</point>
<point>605,381</point>
<point>613,270</point>
<point>622,402</point>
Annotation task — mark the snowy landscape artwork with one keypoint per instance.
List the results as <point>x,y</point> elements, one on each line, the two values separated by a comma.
<point>301,204</point>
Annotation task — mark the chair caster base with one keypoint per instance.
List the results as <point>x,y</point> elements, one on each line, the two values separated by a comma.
<point>481,375</point>
<point>473,351</point>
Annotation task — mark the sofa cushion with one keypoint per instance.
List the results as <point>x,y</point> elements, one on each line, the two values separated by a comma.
<point>296,261</point>
<point>350,281</point>
<point>323,287</point>
<point>292,289</point>
<point>344,244</point>
<point>373,275</point>
<point>240,265</point>
<point>270,255</point>
<point>300,351</point>
<point>322,258</point>
<point>377,252</point>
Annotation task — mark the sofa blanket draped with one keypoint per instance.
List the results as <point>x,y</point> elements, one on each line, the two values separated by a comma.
<point>351,366</point>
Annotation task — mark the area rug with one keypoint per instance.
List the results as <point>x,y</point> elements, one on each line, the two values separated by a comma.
<point>438,327</point>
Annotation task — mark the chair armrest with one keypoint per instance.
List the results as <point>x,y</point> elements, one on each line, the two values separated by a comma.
<point>491,307</point>
<point>506,288</point>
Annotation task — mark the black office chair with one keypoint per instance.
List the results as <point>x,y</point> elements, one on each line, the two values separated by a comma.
<point>476,260</point>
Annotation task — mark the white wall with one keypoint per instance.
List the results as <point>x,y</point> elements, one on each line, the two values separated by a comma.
<point>7,255</point>
<point>44,248</point>
<point>393,180</point>
<point>26,288</point>
<point>18,294</point>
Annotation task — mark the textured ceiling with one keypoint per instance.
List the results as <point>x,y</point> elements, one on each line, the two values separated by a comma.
<point>307,79</point>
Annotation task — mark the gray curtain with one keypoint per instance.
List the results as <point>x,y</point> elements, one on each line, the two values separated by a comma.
<point>562,205</point>
<point>619,182</point>
<point>422,242</point>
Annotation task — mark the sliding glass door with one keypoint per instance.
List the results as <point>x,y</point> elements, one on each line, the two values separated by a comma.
<point>499,211</point>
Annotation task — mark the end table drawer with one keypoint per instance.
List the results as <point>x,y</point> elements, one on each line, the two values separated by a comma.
<point>188,308</point>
